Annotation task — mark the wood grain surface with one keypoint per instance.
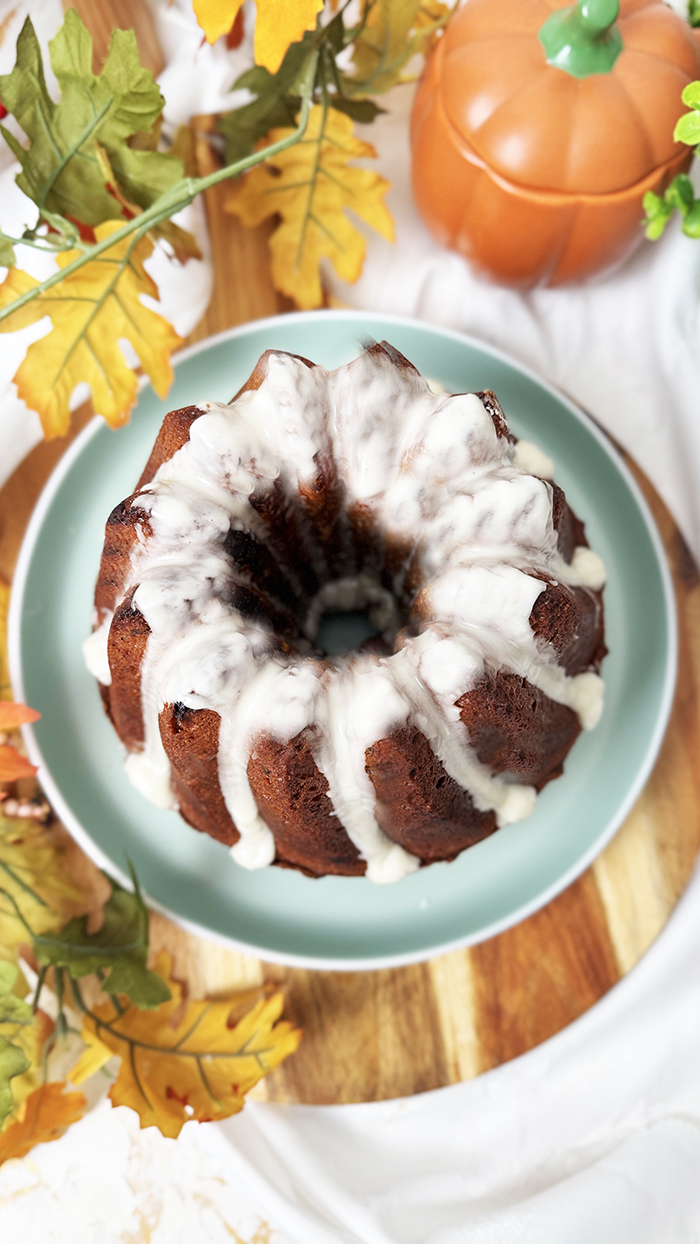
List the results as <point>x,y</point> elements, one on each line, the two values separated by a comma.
<point>376,1035</point>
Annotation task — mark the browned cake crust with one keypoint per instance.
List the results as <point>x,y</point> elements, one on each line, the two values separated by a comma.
<point>515,728</point>
<point>311,538</point>
<point>292,795</point>
<point>418,804</point>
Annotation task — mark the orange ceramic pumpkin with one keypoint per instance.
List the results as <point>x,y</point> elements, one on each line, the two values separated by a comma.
<point>535,170</point>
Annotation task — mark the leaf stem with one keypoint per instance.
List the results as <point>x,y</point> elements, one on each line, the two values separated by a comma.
<point>22,884</point>
<point>180,195</point>
<point>39,986</point>
<point>18,913</point>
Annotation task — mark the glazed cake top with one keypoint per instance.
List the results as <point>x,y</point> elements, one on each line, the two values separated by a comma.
<point>440,478</point>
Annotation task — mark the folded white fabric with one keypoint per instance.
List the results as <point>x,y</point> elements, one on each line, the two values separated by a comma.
<point>593,1136</point>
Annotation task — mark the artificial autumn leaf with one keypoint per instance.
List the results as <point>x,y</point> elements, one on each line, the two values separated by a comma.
<point>277,99</point>
<point>45,880</point>
<point>13,715</point>
<point>119,947</point>
<point>15,1014</point>
<point>90,310</point>
<point>48,1113</point>
<point>21,1053</point>
<point>13,1061</point>
<point>13,1009</point>
<point>13,765</point>
<point>216,17</point>
<point>184,1061</point>
<point>275,104</point>
<point>7,254</point>
<point>278,23</point>
<point>92,1059</point>
<point>395,31</point>
<point>309,185</point>
<point>60,171</point>
<point>182,243</point>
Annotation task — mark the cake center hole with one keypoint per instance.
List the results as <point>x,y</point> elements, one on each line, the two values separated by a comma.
<point>340,633</point>
<point>347,612</point>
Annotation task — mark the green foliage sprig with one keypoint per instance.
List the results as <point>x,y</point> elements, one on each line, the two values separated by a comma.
<point>65,146</point>
<point>680,195</point>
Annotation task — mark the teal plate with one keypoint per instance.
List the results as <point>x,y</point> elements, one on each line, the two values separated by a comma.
<point>341,922</point>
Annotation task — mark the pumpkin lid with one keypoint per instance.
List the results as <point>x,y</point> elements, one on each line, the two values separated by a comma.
<point>541,126</point>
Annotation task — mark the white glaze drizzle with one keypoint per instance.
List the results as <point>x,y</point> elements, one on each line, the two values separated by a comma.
<point>529,457</point>
<point>95,650</point>
<point>420,462</point>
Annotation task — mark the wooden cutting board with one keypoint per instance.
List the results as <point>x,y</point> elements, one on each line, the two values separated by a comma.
<point>375,1035</point>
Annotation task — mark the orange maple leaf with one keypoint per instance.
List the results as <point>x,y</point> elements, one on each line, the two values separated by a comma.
<point>14,766</point>
<point>13,715</point>
<point>48,1113</point>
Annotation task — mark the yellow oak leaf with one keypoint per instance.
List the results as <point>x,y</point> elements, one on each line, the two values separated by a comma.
<point>216,17</point>
<point>278,23</point>
<point>48,1113</point>
<point>188,1059</point>
<point>394,32</point>
<point>93,1057</point>
<point>90,311</point>
<point>309,185</point>
<point>46,877</point>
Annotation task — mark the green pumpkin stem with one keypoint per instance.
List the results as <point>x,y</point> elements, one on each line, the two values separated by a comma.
<point>583,39</point>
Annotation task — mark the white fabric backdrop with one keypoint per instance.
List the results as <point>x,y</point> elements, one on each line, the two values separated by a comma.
<point>595,1136</point>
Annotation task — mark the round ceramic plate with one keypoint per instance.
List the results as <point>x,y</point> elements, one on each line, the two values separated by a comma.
<point>341,922</point>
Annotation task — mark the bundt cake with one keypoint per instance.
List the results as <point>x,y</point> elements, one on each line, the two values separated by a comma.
<point>315,491</point>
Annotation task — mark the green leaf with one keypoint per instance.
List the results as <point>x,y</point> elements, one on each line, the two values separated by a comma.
<point>688,129</point>
<point>277,103</point>
<point>7,253</point>
<point>60,169</point>
<point>691,224</point>
<point>119,948</point>
<point>14,1010</point>
<point>335,34</point>
<point>680,193</point>
<point>8,976</point>
<point>362,110</point>
<point>13,1062</point>
<point>691,93</point>
<point>657,215</point>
